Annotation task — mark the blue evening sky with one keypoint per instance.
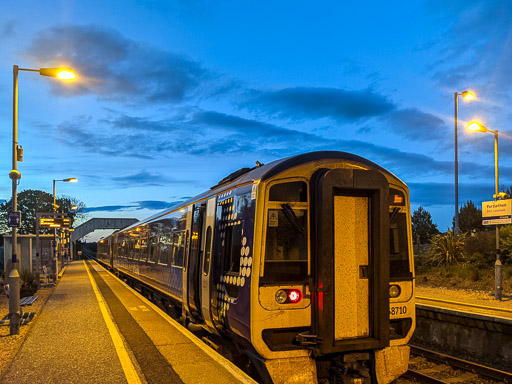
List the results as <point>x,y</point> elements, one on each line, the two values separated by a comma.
<point>172,96</point>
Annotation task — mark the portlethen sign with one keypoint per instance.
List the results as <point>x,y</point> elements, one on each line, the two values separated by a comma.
<point>497,212</point>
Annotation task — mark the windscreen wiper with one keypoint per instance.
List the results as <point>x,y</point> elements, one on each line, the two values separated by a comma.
<point>292,218</point>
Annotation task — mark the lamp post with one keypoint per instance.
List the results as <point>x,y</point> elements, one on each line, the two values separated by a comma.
<point>498,272</point>
<point>55,206</point>
<point>467,95</point>
<point>14,175</point>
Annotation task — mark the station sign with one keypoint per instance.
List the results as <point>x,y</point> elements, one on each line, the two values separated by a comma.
<point>54,222</point>
<point>14,219</point>
<point>497,212</point>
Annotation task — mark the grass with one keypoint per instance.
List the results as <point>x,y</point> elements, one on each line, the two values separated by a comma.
<point>462,276</point>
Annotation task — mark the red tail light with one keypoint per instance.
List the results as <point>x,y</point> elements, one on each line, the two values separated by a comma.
<point>294,296</point>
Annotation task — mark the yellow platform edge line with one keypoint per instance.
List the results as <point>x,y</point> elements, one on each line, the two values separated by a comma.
<point>499,309</point>
<point>129,370</point>
<point>225,363</point>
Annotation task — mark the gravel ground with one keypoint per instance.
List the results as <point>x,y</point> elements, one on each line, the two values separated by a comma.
<point>9,345</point>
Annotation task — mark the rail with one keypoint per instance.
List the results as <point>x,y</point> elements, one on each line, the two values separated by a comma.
<point>471,369</point>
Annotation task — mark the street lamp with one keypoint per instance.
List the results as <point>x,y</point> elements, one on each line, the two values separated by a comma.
<point>55,206</point>
<point>467,95</point>
<point>498,273</point>
<point>14,175</point>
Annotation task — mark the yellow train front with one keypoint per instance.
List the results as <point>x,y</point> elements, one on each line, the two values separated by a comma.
<point>304,264</point>
<point>335,266</point>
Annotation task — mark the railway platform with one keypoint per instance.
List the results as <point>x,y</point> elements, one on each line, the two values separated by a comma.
<point>95,329</point>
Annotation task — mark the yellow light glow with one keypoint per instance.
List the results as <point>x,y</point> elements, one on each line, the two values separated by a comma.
<point>474,126</point>
<point>73,180</point>
<point>66,75</point>
<point>468,95</point>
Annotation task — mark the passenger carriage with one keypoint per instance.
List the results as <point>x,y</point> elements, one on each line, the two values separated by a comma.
<point>305,264</point>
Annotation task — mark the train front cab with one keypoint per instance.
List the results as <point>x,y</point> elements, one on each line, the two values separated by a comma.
<point>341,270</point>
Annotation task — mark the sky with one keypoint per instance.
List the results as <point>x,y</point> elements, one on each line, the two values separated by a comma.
<point>171,96</point>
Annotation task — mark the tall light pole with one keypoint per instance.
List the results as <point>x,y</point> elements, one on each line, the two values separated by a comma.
<point>498,272</point>
<point>14,175</point>
<point>55,206</point>
<point>467,95</point>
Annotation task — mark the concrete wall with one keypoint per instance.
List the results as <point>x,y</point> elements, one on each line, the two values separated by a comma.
<point>482,339</point>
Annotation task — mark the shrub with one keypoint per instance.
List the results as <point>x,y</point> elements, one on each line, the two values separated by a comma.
<point>27,277</point>
<point>447,249</point>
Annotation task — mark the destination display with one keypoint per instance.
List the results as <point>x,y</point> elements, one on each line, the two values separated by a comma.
<point>497,212</point>
<point>54,222</point>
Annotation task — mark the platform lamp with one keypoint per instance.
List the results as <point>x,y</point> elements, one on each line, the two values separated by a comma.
<point>55,206</point>
<point>15,176</point>
<point>498,272</point>
<point>467,95</point>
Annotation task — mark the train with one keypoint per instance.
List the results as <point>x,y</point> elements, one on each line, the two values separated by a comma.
<point>304,266</point>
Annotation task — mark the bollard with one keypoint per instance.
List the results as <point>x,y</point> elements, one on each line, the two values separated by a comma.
<point>14,302</point>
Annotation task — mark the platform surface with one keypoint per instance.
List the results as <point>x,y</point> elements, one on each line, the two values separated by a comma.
<point>95,329</point>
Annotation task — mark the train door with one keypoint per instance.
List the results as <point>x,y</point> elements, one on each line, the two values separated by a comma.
<point>205,272</point>
<point>195,261</point>
<point>350,259</point>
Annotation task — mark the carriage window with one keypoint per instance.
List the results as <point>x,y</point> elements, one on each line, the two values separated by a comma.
<point>207,251</point>
<point>294,191</point>
<point>178,248</point>
<point>232,248</point>
<point>286,244</point>
<point>398,240</point>
<point>398,247</point>
<point>165,249</point>
<point>153,249</point>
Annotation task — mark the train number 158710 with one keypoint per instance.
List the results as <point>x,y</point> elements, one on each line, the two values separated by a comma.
<point>398,310</point>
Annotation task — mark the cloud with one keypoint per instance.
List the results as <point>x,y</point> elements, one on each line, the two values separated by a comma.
<point>435,194</point>
<point>320,102</point>
<point>115,67</point>
<point>412,123</point>
<point>209,133</point>
<point>136,205</point>
<point>7,29</point>
<point>479,50</point>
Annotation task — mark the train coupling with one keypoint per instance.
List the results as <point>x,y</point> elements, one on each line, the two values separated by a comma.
<point>307,339</point>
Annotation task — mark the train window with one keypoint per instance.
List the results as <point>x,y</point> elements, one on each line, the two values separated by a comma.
<point>165,248</point>
<point>178,248</point>
<point>153,249</point>
<point>399,247</point>
<point>232,248</point>
<point>143,248</point>
<point>296,191</point>
<point>207,251</point>
<point>286,255</point>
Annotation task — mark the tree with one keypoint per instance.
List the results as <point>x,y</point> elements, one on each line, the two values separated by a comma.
<point>30,202</point>
<point>422,226</point>
<point>470,217</point>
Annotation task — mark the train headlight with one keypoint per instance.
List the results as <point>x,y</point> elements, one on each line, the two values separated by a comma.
<point>288,296</point>
<point>281,296</point>
<point>394,291</point>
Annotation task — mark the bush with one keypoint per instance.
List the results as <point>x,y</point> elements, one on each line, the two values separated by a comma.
<point>28,278</point>
<point>447,249</point>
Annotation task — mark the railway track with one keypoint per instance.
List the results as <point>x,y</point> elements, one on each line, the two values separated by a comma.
<point>431,367</point>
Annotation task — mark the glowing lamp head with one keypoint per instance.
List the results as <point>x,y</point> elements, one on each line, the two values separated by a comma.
<point>475,126</point>
<point>61,73</point>
<point>66,75</point>
<point>468,95</point>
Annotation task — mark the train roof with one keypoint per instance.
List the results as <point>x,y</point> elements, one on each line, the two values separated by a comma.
<point>266,171</point>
